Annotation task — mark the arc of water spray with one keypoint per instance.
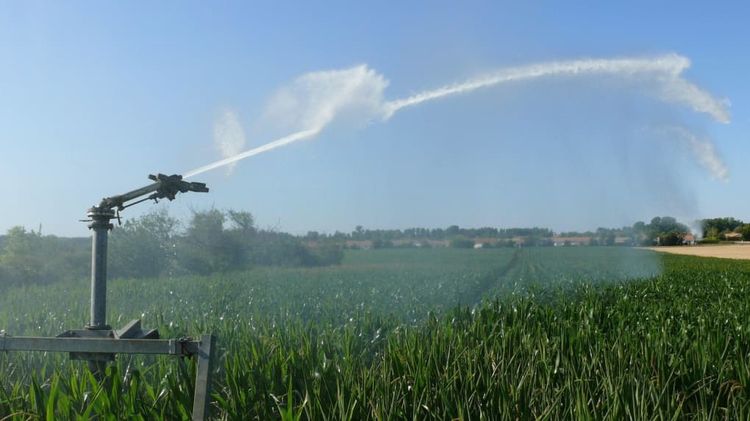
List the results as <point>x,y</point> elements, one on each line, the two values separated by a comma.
<point>666,69</point>
<point>304,134</point>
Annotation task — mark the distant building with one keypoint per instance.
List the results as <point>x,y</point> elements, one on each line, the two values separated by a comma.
<point>688,240</point>
<point>624,241</point>
<point>559,241</point>
<point>733,236</point>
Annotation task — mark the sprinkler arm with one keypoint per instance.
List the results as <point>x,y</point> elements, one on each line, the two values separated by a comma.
<point>164,186</point>
<point>100,216</point>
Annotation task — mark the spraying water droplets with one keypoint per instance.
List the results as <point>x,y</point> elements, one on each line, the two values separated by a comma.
<point>316,99</point>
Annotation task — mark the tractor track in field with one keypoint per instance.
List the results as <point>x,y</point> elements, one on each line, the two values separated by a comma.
<point>496,275</point>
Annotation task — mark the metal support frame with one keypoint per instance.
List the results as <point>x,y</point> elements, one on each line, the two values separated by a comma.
<point>98,343</point>
<point>201,349</point>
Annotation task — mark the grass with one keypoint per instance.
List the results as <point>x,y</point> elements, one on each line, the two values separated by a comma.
<point>541,333</point>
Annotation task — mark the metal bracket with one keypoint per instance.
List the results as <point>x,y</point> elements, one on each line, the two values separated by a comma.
<point>104,348</point>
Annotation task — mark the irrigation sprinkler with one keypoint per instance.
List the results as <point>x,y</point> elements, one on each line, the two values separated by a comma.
<point>97,343</point>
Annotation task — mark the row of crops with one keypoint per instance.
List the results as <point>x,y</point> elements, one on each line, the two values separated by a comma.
<point>411,334</point>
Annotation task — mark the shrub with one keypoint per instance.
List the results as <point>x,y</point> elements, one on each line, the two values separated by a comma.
<point>462,243</point>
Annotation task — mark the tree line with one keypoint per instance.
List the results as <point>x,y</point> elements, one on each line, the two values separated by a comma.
<point>660,230</point>
<point>664,230</point>
<point>156,244</point>
<point>362,234</point>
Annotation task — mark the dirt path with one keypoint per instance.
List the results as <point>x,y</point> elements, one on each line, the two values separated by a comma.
<point>732,251</point>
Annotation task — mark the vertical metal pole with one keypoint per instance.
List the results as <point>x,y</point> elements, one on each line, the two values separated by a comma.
<point>202,398</point>
<point>101,226</point>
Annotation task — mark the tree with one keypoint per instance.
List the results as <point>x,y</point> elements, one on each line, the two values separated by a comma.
<point>29,257</point>
<point>242,221</point>
<point>205,248</point>
<point>462,243</point>
<point>715,227</point>
<point>745,231</point>
<point>667,230</point>
<point>452,230</point>
<point>382,244</point>
<point>711,233</point>
<point>144,246</point>
<point>328,254</point>
<point>672,238</point>
<point>21,257</point>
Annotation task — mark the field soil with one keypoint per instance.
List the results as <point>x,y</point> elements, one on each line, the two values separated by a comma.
<point>730,251</point>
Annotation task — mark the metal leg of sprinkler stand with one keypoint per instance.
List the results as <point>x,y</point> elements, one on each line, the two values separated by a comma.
<point>204,367</point>
<point>100,225</point>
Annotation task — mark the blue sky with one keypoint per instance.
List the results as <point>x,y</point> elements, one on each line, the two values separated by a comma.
<point>94,96</point>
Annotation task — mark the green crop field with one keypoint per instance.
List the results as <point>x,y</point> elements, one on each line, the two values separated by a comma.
<point>537,333</point>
